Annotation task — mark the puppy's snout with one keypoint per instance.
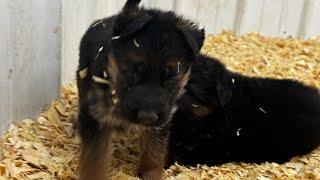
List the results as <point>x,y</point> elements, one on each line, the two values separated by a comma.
<point>147,105</point>
<point>148,116</point>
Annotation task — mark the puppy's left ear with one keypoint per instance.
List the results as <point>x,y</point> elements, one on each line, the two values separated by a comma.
<point>129,26</point>
<point>131,19</point>
<point>192,34</point>
<point>131,5</point>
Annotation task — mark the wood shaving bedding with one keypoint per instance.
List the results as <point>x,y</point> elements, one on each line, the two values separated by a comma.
<point>48,148</point>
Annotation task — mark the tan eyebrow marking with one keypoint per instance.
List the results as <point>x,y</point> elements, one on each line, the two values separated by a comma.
<point>173,63</point>
<point>201,111</point>
<point>136,57</point>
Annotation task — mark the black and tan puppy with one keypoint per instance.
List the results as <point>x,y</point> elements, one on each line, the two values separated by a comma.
<point>133,67</point>
<point>225,116</point>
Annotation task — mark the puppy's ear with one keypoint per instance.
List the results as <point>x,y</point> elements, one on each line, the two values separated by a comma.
<point>224,90</point>
<point>131,5</point>
<point>129,23</point>
<point>130,20</point>
<point>192,34</point>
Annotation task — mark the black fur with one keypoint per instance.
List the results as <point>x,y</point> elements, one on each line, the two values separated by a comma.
<point>251,119</point>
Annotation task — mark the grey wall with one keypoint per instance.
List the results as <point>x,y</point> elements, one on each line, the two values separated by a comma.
<point>29,57</point>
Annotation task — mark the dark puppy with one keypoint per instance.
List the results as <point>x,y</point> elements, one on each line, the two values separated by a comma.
<point>133,67</point>
<point>226,116</point>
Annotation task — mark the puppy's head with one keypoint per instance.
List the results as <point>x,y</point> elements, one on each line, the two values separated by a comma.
<point>152,54</point>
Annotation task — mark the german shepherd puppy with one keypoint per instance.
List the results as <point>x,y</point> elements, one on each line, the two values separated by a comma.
<point>133,67</point>
<point>225,116</point>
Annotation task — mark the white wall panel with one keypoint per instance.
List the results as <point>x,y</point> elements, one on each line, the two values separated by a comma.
<point>271,17</point>
<point>207,16</point>
<point>226,13</point>
<point>162,4</point>
<point>312,18</point>
<point>291,17</point>
<point>5,74</point>
<point>250,15</point>
<point>188,8</point>
<point>30,52</point>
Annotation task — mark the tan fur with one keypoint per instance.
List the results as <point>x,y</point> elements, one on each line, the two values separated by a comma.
<point>201,111</point>
<point>172,63</point>
<point>113,69</point>
<point>183,80</point>
<point>137,57</point>
<point>153,151</point>
<point>97,153</point>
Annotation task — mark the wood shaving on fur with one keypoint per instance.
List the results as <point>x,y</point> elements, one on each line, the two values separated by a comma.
<point>48,148</point>
<point>100,80</point>
<point>83,73</point>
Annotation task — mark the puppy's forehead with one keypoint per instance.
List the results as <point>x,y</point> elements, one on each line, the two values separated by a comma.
<point>163,50</point>
<point>157,43</point>
<point>137,56</point>
<point>141,56</point>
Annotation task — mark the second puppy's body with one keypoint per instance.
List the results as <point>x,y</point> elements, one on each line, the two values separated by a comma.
<point>226,116</point>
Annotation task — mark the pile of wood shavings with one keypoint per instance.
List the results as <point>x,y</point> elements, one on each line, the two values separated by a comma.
<point>256,55</point>
<point>47,147</point>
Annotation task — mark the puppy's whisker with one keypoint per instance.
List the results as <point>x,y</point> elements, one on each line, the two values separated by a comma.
<point>178,71</point>
<point>136,43</point>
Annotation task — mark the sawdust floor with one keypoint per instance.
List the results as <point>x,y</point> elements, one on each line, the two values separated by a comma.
<point>47,147</point>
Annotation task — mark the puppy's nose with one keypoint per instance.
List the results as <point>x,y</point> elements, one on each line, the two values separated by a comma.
<point>147,116</point>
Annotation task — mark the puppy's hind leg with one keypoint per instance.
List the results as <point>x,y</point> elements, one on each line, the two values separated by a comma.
<point>95,149</point>
<point>153,146</point>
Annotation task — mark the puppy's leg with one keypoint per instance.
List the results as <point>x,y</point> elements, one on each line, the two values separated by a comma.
<point>95,149</point>
<point>153,146</point>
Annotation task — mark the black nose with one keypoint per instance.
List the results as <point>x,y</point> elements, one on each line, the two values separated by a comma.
<point>148,116</point>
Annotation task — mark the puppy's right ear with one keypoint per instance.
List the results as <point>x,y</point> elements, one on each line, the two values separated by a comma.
<point>131,5</point>
<point>192,34</point>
